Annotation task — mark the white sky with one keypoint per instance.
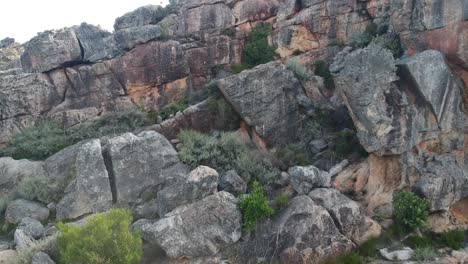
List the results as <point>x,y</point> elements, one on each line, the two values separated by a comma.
<point>23,19</point>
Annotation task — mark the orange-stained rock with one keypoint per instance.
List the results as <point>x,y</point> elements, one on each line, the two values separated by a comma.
<point>294,38</point>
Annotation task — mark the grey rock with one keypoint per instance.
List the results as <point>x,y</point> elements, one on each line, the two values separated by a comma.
<point>90,191</point>
<point>232,183</point>
<point>128,38</point>
<point>267,98</point>
<point>141,16</point>
<point>13,171</point>
<point>51,49</point>
<point>62,165</point>
<point>348,215</point>
<point>338,168</point>
<point>142,165</point>
<point>10,53</point>
<point>317,145</point>
<point>365,80</point>
<point>436,85</point>
<point>304,179</point>
<point>399,255</point>
<point>201,182</point>
<point>32,227</point>
<point>6,42</point>
<point>198,229</point>
<point>41,258</point>
<point>22,240</point>
<point>307,233</point>
<point>19,209</point>
<point>96,42</point>
<point>8,256</point>
<point>443,181</point>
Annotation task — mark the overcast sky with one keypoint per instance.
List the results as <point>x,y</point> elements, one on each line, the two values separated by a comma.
<point>23,19</point>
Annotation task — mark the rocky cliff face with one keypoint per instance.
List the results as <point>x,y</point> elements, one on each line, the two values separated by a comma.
<point>398,67</point>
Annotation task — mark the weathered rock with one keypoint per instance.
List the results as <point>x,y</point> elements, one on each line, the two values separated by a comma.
<point>10,53</point>
<point>22,240</point>
<point>252,10</point>
<point>232,183</point>
<point>347,214</point>
<point>304,179</point>
<point>8,256</point>
<point>13,171</point>
<point>19,209</point>
<point>142,165</point>
<point>400,255</point>
<point>128,38</point>
<point>437,87</point>
<point>266,97</point>
<point>366,79</point>
<point>207,17</point>
<point>141,16</point>
<point>41,258</point>
<point>6,42</point>
<point>317,145</point>
<point>443,182</point>
<point>32,227</point>
<point>51,49</point>
<point>95,42</point>
<point>201,182</point>
<point>90,191</point>
<point>198,229</point>
<point>308,234</point>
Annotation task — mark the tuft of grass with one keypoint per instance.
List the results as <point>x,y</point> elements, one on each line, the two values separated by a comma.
<point>424,254</point>
<point>349,258</point>
<point>453,239</point>
<point>281,201</point>
<point>238,68</point>
<point>174,108</point>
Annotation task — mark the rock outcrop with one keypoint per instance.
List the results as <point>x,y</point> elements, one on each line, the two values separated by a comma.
<point>19,209</point>
<point>198,229</point>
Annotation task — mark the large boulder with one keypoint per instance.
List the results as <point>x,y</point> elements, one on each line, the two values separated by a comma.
<point>51,49</point>
<point>348,215</point>
<point>444,181</point>
<point>267,98</point>
<point>32,227</point>
<point>19,209</point>
<point>139,17</point>
<point>142,165</point>
<point>308,234</point>
<point>198,229</point>
<point>366,79</point>
<point>232,183</point>
<point>96,42</point>
<point>304,179</point>
<point>90,190</point>
<point>201,182</point>
<point>13,171</point>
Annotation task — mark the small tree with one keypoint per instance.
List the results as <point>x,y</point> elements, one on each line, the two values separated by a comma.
<point>254,207</point>
<point>409,211</point>
<point>257,50</point>
<point>106,239</point>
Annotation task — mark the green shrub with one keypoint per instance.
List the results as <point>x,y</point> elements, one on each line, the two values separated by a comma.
<point>257,50</point>
<point>322,70</point>
<point>38,142</point>
<point>424,254</point>
<point>104,239</point>
<point>281,201</point>
<point>293,155</point>
<point>230,31</point>
<point>369,248</point>
<point>349,258</point>
<point>453,239</point>
<point>409,211</point>
<point>223,154</point>
<point>174,108</point>
<point>238,68</point>
<point>48,137</point>
<point>297,52</point>
<point>42,189</point>
<point>419,241</point>
<point>254,207</point>
<point>298,70</point>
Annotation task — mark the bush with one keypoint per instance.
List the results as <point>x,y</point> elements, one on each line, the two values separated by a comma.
<point>409,211</point>
<point>322,70</point>
<point>369,248</point>
<point>223,154</point>
<point>37,142</point>
<point>48,137</point>
<point>105,239</point>
<point>254,207</point>
<point>419,242</point>
<point>424,254</point>
<point>42,189</point>
<point>174,108</point>
<point>230,31</point>
<point>281,201</point>
<point>298,70</point>
<point>453,239</point>
<point>257,50</point>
